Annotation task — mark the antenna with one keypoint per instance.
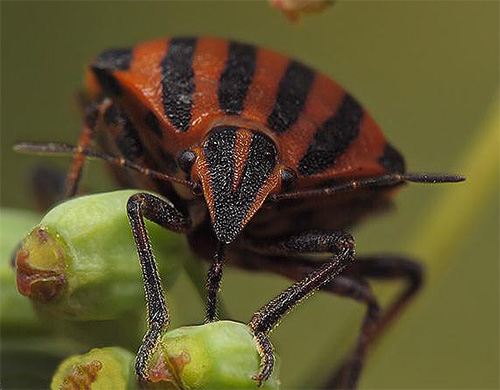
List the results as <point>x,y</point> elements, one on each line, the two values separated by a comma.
<point>61,149</point>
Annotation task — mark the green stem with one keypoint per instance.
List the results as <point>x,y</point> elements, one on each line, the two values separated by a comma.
<point>444,226</point>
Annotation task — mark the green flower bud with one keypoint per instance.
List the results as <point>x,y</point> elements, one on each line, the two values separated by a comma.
<point>218,355</point>
<point>99,369</point>
<point>29,352</point>
<point>80,262</point>
<point>16,317</point>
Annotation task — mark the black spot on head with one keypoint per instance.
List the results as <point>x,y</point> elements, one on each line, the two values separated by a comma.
<point>392,160</point>
<point>292,95</point>
<point>332,138</point>
<point>153,124</point>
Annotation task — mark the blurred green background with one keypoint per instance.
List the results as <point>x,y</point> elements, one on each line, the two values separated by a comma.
<point>429,73</point>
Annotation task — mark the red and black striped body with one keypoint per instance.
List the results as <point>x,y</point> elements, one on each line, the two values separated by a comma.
<point>251,119</point>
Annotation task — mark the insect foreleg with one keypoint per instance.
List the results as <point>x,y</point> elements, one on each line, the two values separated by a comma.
<point>340,244</point>
<point>214,279</point>
<point>390,267</point>
<point>387,267</point>
<point>91,114</point>
<point>163,213</point>
<point>352,284</point>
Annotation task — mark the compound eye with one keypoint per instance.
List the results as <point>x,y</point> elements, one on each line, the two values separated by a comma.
<point>186,160</point>
<point>288,179</point>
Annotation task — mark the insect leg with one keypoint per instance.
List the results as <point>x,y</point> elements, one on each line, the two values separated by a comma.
<point>340,244</point>
<point>214,278</point>
<point>379,268</point>
<point>91,114</point>
<point>351,284</point>
<point>162,212</point>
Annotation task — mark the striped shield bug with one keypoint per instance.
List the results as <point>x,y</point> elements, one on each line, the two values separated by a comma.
<point>265,162</point>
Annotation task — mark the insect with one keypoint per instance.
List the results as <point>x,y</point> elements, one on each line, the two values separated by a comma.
<point>265,162</point>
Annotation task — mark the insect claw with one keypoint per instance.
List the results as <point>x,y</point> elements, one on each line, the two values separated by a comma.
<point>258,378</point>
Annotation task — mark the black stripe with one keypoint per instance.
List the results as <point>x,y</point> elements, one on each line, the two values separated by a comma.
<point>107,81</point>
<point>114,59</point>
<point>292,94</point>
<point>236,77</point>
<point>392,160</point>
<point>108,62</point>
<point>260,163</point>
<point>333,138</point>
<point>178,81</point>
<point>218,150</point>
<point>153,124</point>
<point>129,141</point>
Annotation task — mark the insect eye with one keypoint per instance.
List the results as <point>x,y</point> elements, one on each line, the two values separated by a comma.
<point>186,160</point>
<point>288,179</point>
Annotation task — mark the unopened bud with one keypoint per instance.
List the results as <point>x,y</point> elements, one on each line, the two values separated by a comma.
<point>41,265</point>
<point>17,317</point>
<point>81,263</point>
<point>218,355</point>
<point>99,369</point>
